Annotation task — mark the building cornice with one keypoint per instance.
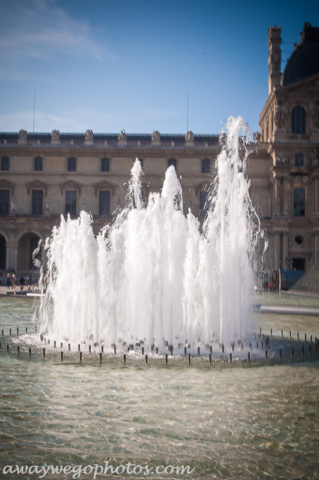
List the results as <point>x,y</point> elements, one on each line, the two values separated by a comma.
<point>107,150</point>
<point>266,107</point>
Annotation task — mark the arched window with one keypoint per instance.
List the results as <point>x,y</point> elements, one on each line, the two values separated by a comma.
<point>34,245</point>
<point>105,164</point>
<point>5,163</point>
<point>299,160</point>
<point>141,162</point>
<point>298,120</point>
<point>172,162</point>
<point>206,165</point>
<point>38,164</point>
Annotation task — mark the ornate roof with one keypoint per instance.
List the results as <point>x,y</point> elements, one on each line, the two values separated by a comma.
<point>304,61</point>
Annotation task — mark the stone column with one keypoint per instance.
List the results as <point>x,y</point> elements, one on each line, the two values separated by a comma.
<point>271,252</point>
<point>12,257</point>
<point>316,195</point>
<point>285,248</point>
<point>277,196</point>
<point>277,249</point>
<point>286,196</point>
<point>316,245</point>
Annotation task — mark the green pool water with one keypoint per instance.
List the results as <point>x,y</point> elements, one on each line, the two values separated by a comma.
<point>257,421</point>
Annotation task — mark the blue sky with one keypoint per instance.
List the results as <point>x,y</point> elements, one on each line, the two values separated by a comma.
<point>110,65</point>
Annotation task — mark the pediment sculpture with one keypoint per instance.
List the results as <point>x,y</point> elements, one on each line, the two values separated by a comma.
<point>89,136</point>
<point>257,137</point>
<point>122,136</point>
<point>189,137</point>
<point>156,137</point>
<point>48,207</point>
<point>23,135</point>
<point>14,207</point>
<point>55,135</point>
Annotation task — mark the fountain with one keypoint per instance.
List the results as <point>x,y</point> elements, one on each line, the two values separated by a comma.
<point>157,276</point>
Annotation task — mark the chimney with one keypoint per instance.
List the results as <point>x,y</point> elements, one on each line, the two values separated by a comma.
<point>274,58</point>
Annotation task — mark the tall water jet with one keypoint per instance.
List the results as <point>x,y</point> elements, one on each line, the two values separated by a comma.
<point>157,275</point>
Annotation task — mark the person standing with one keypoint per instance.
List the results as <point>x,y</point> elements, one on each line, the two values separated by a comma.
<point>14,283</point>
<point>8,281</point>
<point>22,282</point>
<point>29,283</point>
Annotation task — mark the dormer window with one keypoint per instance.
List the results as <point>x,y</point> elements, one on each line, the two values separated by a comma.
<point>298,120</point>
<point>299,162</point>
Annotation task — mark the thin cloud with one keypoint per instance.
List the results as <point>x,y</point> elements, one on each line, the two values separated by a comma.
<point>40,29</point>
<point>80,119</point>
<point>77,121</point>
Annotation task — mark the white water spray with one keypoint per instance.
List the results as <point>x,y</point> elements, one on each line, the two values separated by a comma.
<point>155,275</point>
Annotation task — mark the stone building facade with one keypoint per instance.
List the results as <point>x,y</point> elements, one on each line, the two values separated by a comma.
<point>289,124</point>
<point>45,175</point>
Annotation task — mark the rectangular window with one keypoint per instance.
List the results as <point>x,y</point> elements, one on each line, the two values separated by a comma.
<point>71,164</point>
<point>37,202</point>
<point>206,166</point>
<point>4,202</point>
<point>70,202</point>
<point>299,202</point>
<point>104,203</point>
<point>38,164</point>
<point>105,165</point>
<point>5,163</point>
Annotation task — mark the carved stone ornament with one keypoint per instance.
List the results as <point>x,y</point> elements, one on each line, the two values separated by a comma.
<point>315,114</point>
<point>122,136</point>
<point>280,113</point>
<point>89,136</point>
<point>156,137</point>
<point>257,137</point>
<point>84,205</point>
<point>189,137</point>
<point>274,58</point>
<point>48,208</point>
<point>23,135</point>
<point>315,160</point>
<point>283,159</point>
<point>55,135</point>
<point>14,207</point>
<point>222,138</point>
<point>71,185</point>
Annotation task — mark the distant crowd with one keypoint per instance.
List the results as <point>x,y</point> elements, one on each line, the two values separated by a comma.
<point>14,283</point>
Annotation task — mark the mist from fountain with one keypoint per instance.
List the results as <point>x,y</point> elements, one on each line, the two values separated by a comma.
<point>157,275</point>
